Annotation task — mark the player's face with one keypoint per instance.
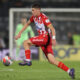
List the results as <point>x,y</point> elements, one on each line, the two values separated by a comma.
<point>35,11</point>
<point>23,20</point>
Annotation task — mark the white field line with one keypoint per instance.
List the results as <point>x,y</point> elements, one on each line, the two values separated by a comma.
<point>1,70</point>
<point>6,70</point>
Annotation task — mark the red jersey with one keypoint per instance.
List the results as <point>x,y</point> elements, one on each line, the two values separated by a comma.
<point>41,23</point>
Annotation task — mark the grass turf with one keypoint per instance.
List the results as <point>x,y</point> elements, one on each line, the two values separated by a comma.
<point>38,71</point>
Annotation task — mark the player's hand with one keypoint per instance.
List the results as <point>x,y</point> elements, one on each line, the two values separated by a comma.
<point>18,36</point>
<point>54,42</point>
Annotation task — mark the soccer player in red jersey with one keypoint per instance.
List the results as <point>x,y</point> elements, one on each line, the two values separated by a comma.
<point>45,39</point>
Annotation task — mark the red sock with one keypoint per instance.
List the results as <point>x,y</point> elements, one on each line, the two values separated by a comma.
<point>28,54</point>
<point>63,66</point>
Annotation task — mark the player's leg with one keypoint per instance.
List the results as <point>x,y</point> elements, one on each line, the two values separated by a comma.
<point>17,52</point>
<point>27,61</point>
<point>19,43</point>
<point>59,64</point>
<point>18,46</point>
<point>48,51</point>
<point>27,44</point>
<point>49,54</point>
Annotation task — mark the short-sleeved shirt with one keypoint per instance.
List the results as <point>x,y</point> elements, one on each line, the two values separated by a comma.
<point>41,23</point>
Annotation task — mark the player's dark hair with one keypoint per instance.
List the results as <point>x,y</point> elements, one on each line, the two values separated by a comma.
<point>36,5</point>
<point>24,16</point>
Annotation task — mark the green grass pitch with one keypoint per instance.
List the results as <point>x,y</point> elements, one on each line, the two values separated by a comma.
<point>38,71</point>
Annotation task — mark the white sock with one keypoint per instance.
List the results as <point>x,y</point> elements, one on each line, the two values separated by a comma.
<point>68,71</point>
<point>27,59</point>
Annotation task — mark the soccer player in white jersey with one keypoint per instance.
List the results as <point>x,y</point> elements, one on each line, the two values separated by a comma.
<point>45,39</point>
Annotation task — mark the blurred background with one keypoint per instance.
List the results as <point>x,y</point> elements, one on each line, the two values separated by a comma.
<point>67,25</point>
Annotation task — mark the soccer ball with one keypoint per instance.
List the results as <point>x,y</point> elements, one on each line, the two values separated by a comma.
<point>7,61</point>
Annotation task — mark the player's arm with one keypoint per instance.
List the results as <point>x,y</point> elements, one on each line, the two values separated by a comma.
<point>50,26</point>
<point>19,34</point>
<point>25,26</point>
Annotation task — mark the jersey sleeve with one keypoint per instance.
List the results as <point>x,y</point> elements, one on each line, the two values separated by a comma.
<point>31,19</point>
<point>46,21</point>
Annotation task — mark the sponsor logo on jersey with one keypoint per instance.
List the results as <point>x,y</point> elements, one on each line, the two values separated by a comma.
<point>37,39</point>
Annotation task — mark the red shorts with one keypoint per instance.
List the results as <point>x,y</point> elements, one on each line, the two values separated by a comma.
<point>44,41</point>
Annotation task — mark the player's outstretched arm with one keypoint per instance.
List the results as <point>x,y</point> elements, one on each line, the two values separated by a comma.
<point>19,34</point>
<point>50,26</point>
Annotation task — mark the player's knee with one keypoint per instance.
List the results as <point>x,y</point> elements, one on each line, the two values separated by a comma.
<point>52,62</point>
<point>25,43</point>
